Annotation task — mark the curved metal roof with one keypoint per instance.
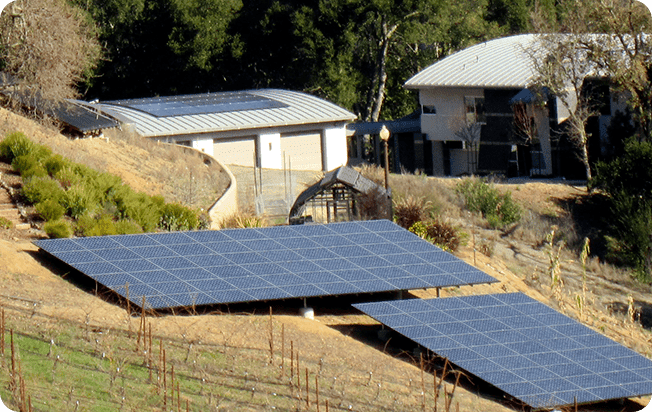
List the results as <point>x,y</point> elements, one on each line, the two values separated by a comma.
<point>170,116</point>
<point>500,62</point>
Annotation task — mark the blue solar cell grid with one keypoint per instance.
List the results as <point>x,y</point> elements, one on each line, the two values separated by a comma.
<point>200,104</point>
<point>264,263</point>
<point>522,346</point>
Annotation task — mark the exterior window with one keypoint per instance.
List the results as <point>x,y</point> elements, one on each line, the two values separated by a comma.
<point>474,107</point>
<point>429,110</point>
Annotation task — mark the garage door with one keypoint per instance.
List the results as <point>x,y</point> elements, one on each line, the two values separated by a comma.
<point>303,151</point>
<point>238,151</point>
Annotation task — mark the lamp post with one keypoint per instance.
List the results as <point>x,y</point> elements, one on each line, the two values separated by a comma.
<point>384,136</point>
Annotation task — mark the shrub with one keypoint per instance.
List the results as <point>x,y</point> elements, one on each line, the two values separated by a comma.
<point>28,166</point>
<point>39,189</point>
<point>14,145</point>
<point>630,242</point>
<point>409,210</point>
<point>142,209</point>
<point>178,217</point>
<point>50,209</point>
<point>104,225</point>
<point>57,229</point>
<point>374,204</point>
<point>439,233</point>
<point>78,200</point>
<point>23,162</point>
<point>67,176</point>
<point>499,209</point>
<point>105,186</point>
<point>127,227</point>
<point>5,223</point>
<point>54,164</point>
<point>242,220</point>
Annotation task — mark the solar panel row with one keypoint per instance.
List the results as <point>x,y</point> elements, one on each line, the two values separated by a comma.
<point>200,104</point>
<point>240,265</point>
<point>523,347</point>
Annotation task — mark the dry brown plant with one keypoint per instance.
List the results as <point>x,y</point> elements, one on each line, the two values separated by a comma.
<point>49,45</point>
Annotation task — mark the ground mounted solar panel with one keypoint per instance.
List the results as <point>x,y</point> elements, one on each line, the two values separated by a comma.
<point>241,265</point>
<point>530,351</point>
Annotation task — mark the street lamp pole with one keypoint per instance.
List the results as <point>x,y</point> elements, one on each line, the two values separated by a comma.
<point>384,136</point>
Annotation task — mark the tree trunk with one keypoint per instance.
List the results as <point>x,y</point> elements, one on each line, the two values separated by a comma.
<point>585,159</point>
<point>380,78</point>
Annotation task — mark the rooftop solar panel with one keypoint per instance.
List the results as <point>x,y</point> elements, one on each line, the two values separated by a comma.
<point>530,351</point>
<point>200,104</point>
<point>263,263</point>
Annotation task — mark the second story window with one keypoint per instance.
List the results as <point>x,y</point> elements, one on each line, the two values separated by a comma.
<point>474,107</point>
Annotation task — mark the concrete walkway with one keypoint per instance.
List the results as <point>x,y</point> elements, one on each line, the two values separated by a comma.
<point>279,189</point>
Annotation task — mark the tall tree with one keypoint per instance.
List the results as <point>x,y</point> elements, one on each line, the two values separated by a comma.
<point>160,47</point>
<point>626,54</point>
<point>562,65</point>
<point>365,48</point>
<point>48,45</point>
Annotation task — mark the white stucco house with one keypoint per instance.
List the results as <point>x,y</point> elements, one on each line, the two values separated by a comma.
<point>268,128</point>
<point>468,104</point>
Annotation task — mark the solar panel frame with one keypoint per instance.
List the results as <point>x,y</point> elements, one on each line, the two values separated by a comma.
<point>348,257</point>
<point>545,366</point>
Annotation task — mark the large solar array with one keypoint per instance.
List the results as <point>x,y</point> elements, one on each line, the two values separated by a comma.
<point>243,265</point>
<point>521,346</point>
<point>200,104</point>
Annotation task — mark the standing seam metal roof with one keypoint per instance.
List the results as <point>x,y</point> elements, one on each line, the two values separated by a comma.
<point>299,108</point>
<point>496,63</point>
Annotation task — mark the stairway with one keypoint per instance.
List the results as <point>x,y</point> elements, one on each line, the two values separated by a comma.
<point>9,211</point>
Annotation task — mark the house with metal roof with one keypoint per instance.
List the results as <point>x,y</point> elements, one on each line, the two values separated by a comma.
<point>269,128</point>
<point>475,103</point>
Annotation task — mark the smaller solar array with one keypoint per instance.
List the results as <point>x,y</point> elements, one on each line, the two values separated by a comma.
<point>200,104</point>
<point>521,346</point>
<point>242,265</point>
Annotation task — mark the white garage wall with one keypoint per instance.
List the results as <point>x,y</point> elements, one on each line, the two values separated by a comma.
<point>239,151</point>
<point>303,151</point>
<point>334,146</point>
<point>269,146</point>
<point>205,145</point>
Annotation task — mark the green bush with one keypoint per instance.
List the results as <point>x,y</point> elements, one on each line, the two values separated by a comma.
<point>5,223</point>
<point>14,145</point>
<point>127,227</point>
<point>630,239</point>
<point>178,217</point>
<point>50,209</point>
<point>142,209</point>
<point>28,166</point>
<point>106,186</point>
<point>67,176</point>
<point>78,200</point>
<point>627,181</point>
<point>499,209</point>
<point>439,233</point>
<point>57,229</point>
<point>38,189</point>
<point>23,162</point>
<point>54,164</point>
